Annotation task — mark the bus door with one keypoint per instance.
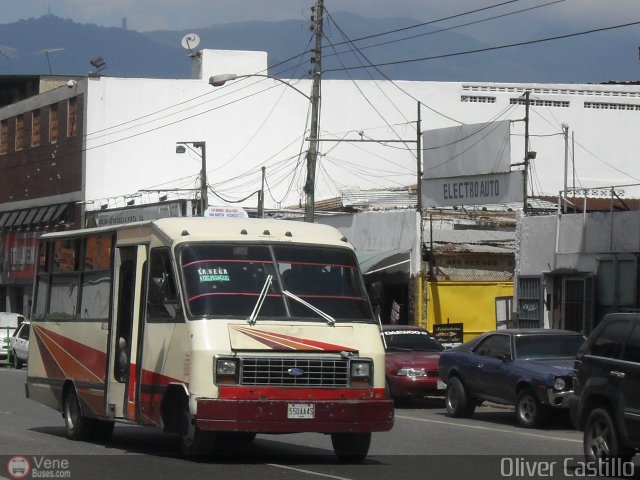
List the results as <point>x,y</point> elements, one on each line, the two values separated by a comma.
<point>123,377</point>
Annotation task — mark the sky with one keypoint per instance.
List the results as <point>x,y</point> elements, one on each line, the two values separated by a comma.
<point>146,15</point>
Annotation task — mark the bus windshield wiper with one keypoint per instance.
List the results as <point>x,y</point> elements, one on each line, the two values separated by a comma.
<point>263,295</point>
<point>330,320</point>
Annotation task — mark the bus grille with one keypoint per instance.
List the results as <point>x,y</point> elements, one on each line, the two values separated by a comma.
<point>297,372</point>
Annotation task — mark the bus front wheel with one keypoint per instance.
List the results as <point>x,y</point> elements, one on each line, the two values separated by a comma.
<point>193,440</point>
<point>351,447</point>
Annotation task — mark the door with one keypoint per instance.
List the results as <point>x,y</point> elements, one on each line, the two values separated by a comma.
<point>630,385</point>
<point>577,306</point>
<point>22,342</point>
<point>122,393</point>
<point>491,357</point>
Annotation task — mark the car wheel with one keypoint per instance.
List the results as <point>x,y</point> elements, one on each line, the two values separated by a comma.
<point>351,447</point>
<point>17,363</point>
<point>530,412</point>
<point>77,426</point>
<point>459,403</point>
<point>601,440</point>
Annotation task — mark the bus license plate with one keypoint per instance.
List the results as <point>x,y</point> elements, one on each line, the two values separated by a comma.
<point>301,410</point>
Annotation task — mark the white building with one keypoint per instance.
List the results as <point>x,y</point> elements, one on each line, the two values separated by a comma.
<point>132,126</point>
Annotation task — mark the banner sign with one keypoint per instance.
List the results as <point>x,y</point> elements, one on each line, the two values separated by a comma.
<point>475,149</point>
<point>99,218</point>
<point>495,188</point>
<point>19,257</point>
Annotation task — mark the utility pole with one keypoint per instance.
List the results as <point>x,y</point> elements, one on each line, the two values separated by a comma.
<point>526,150</point>
<point>181,148</point>
<point>204,196</point>
<point>421,310</point>
<point>261,196</point>
<point>312,154</point>
<point>565,194</point>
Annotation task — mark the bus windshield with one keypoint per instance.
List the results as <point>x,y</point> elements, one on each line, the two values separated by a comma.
<point>223,281</point>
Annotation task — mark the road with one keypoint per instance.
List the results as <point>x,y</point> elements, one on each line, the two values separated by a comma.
<point>424,443</point>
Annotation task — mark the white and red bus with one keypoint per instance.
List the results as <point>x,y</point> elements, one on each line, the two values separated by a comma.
<point>215,329</point>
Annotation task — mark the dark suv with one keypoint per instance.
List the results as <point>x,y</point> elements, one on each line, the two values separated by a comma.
<point>606,401</point>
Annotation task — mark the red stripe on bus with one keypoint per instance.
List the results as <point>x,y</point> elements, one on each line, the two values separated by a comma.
<point>75,359</point>
<point>265,336</point>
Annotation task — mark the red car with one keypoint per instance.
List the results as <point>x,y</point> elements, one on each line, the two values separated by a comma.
<point>412,362</point>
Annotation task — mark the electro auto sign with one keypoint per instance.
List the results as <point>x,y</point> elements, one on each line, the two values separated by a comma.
<point>492,188</point>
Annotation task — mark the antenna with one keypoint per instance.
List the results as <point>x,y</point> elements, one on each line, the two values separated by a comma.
<point>189,42</point>
<point>8,52</point>
<point>47,51</point>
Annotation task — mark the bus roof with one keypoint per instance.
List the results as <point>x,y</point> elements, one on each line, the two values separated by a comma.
<point>189,229</point>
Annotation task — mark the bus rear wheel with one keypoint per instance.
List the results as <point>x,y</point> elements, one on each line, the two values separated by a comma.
<point>351,447</point>
<point>76,425</point>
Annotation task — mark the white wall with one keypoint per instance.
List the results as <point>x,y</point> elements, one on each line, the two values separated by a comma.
<point>133,125</point>
<point>379,231</point>
<point>580,241</point>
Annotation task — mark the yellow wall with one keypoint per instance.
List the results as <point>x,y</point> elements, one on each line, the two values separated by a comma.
<point>471,303</point>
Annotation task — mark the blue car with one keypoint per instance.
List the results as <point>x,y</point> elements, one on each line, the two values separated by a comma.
<point>529,368</point>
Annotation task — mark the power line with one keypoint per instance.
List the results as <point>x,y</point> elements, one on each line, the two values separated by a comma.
<point>488,49</point>
<point>402,29</point>
<point>433,32</point>
<point>364,96</point>
<point>385,76</point>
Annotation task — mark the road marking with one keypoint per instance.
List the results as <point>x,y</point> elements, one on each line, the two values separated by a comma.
<point>309,472</point>
<point>501,430</point>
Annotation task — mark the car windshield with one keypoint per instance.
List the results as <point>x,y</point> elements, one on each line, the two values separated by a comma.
<point>228,281</point>
<point>532,347</point>
<point>411,340</point>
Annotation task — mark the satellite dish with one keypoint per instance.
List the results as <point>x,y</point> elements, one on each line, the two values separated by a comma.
<point>190,41</point>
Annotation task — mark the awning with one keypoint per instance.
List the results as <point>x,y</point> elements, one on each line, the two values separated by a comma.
<point>389,261</point>
<point>33,216</point>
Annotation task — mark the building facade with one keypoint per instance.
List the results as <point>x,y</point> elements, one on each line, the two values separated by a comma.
<point>574,267</point>
<point>95,143</point>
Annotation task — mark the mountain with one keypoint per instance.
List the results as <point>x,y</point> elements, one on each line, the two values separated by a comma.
<point>127,53</point>
<point>158,54</point>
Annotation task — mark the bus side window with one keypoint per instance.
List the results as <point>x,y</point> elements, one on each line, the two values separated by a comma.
<point>162,300</point>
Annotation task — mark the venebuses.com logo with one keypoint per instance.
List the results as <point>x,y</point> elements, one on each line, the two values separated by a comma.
<point>38,467</point>
<point>18,467</point>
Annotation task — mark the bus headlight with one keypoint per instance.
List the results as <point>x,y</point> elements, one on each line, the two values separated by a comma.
<point>361,373</point>
<point>226,371</point>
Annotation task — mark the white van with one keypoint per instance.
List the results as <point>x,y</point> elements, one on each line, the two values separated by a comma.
<point>8,323</point>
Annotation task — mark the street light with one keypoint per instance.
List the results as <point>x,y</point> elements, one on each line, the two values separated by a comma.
<point>220,80</point>
<point>181,148</point>
<point>309,188</point>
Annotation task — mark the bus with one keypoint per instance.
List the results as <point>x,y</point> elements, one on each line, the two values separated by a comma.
<point>214,329</point>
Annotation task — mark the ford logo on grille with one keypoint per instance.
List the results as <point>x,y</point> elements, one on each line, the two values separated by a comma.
<point>295,372</point>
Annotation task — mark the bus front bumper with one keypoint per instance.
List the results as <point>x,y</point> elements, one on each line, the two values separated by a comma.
<point>274,416</point>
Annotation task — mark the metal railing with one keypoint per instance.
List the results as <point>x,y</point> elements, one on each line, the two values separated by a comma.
<point>612,198</point>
